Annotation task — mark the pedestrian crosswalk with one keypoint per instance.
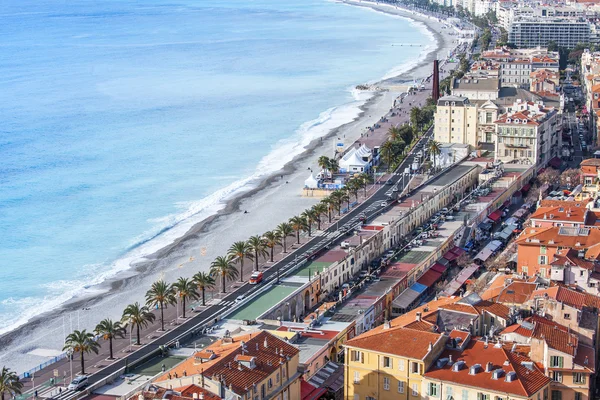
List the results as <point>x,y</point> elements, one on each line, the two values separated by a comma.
<point>57,393</point>
<point>227,303</point>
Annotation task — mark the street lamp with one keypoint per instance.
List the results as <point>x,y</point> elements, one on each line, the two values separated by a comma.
<point>70,355</point>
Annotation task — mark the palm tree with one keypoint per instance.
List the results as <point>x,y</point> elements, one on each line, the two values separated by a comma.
<point>394,133</point>
<point>186,289</point>
<point>319,210</point>
<point>345,196</point>
<point>416,117</point>
<point>330,204</point>
<point>81,342</point>
<point>406,134</point>
<point>310,217</point>
<point>239,251</point>
<point>161,294</point>
<point>364,180</point>
<point>9,383</point>
<point>298,223</point>
<point>353,187</point>
<point>110,330</point>
<point>435,149</point>
<point>138,316</point>
<point>257,246</point>
<point>284,230</point>
<point>272,239</point>
<point>387,153</point>
<point>223,267</point>
<point>323,163</point>
<point>203,281</point>
<point>334,166</point>
<point>338,198</point>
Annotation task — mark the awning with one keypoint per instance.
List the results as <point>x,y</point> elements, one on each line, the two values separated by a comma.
<point>418,287</point>
<point>450,256</point>
<point>506,203</point>
<point>484,254</point>
<point>520,213</point>
<point>495,216</point>
<point>406,298</point>
<point>443,261</point>
<point>555,162</point>
<point>494,245</point>
<point>460,279</point>
<point>458,251</point>
<point>526,188</point>
<point>439,268</point>
<point>485,226</point>
<point>429,278</point>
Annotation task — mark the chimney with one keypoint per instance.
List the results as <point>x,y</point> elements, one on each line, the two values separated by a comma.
<point>201,396</point>
<point>450,362</point>
<point>430,347</point>
<point>266,344</point>
<point>194,395</point>
<point>386,324</point>
<point>418,316</point>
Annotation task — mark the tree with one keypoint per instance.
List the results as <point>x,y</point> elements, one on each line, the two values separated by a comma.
<point>364,179</point>
<point>186,289</point>
<point>110,330</point>
<point>310,217</point>
<point>323,162</point>
<point>298,224</point>
<point>224,268</point>
<point>406,134</point>
<point>10,383</point>
<point>334,166</point>
<point>394,133</point>
<point>533,194</point>
<point>160,295</point>
<point>435,149</point>
<point>319,210</point>
<point>257,247</point>
<point>353,187</point>
<point>387,153</point>
<point>552,46</point>
<point>330,204</point>
<point>203,281</point>
<point>81,342</point>
<point>337,197</point>
<point>239,251</point>
<point>549,177</point>
<point>464,260</point>
<point>138,316</point>
<point>284,230</point>
<point>416,118</point>
<point>570,177</point>
<point>272,239</point>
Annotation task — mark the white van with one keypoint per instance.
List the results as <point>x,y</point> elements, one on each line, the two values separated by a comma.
<point>78,383</point>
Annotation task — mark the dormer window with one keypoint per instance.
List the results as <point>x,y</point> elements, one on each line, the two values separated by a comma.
<point>453,103</point>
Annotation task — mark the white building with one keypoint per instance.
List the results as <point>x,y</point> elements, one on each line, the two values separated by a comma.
<point>536,31</point>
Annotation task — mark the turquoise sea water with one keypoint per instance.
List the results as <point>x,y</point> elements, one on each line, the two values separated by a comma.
<point>121,119</point>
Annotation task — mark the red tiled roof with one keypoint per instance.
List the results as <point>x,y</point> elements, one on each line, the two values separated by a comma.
<point>516,292</point>
<point>519,330</point>
<point>399,341</point>
<point>566,212</point>
<point>571,258</point>
<point>586,357</point>
<point>555,337</point>
<point>189,390</point>
<point>528,382</point>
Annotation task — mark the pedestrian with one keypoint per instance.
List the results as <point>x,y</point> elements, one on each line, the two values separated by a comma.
<point>35,394</point>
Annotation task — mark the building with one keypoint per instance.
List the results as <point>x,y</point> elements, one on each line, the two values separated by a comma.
<point>590,174</point>
<point>189,392</point>
<point>529,133</point>
<point>568,268</point>
<point>258,365</point>
<point>535,31</point>
<point>456,121</point>
<point>476,87</point>
<point>476,369</point>
<point>569,214</point>
<point>517,65</point>
<point>389,363</point>
<point>537,247</point>
<point>544,81</point>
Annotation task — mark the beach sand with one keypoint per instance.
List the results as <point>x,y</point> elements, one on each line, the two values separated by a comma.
<point>275,201</point>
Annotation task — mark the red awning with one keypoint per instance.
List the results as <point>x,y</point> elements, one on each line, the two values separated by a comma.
<point>495,216</point>
<point>458,251</point>
<point>450,256</point>
<point>555,162</point>
<point>439,268</point>
<point>526,188</point>
<point>429,278</point>
<point>506,203</point>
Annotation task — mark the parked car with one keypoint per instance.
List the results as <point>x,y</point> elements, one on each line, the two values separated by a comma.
<point>78,383</point>
<point>240,298</point>
<point>256,278</point>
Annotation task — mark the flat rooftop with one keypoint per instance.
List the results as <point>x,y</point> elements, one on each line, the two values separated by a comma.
<point>257,306</point>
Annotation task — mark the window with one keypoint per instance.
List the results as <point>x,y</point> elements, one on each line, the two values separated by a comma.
<point>432,389</point>
<point>556,395</point>
<point>556,362</point>
<point>415,389</point>
<point>356,377</point>
<point>386,383</point>
<point>543,272</point>
<point>357,356</point>
<point>270,383</point>
<point>567,316</point>
<point>277,378</point>
<point>465,394</point>
<point>543,260</point>
<point>401,365</point>
<point>578,377</point>
<point>483,396</point>
<point>387,362</point>
<point>414,367</point>
<point>580,273</point>
<point>557,376</point>
<point>370,398</point>
<point>449,391</point>
<point>543,250</point>
<point>400,387</point>
<point>578,396</point>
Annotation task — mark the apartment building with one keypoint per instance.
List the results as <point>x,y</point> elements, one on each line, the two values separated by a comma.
<point>456,121</point>
<point>538,247</point>
<point>389,363</point>
<point>480,370</point>
<point>476,87</point>
<point>544,81</point>
<point>529,133</point>
<point>517,65</point>
<point>590,77</point>
<point>535,31</point>
<point>569,214</point>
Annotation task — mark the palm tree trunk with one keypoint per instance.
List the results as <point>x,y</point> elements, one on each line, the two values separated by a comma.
<point>272,248</point>
<point>203,302</point>
<point>223,283</point>
<point>256,260</point>
<point>137,327</point>
<point>162,318</point>
<point>82,364</point>
<point>183,301</point>
<point>110,347</point>
<point>329,215</point>
<point>2,395</point>
<point>309,229</point>
<point>298,236</point>
<point>284,245</point>
<point>318,224</point>
<point>242,269</point>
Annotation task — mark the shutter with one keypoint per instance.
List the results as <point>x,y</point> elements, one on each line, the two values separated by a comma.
<point>362,357</point>
<point>427,388</point>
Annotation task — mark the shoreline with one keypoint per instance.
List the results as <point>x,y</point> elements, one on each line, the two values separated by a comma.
<point>112,291</point>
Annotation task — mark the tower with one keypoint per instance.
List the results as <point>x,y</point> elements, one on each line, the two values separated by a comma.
<point>435,94</point>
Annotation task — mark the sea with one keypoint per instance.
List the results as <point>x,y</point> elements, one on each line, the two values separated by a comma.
<point>122,122</point>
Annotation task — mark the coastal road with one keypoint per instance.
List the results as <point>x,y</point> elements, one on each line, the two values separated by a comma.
<point>371,207</point>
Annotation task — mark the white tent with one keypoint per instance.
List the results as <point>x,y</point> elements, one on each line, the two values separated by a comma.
<point>311,182</point>
<point>353,163</point>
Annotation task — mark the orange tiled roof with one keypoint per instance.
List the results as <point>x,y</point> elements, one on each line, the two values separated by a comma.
<point>566,212</point>
<point>398,341</point>
<point>517,292</point>
<point>556,338</point>
<point>497,309</point>
<point>571,258</point>
<point>591,162</point>
<point>583,238</point>
<point>528,382</point>
<point>569,297</point>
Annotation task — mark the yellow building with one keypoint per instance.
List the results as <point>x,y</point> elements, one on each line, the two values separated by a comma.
<point>251,367</point>
<point>477,370</point>
<point>456,121</point>
<point>388,362</point>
